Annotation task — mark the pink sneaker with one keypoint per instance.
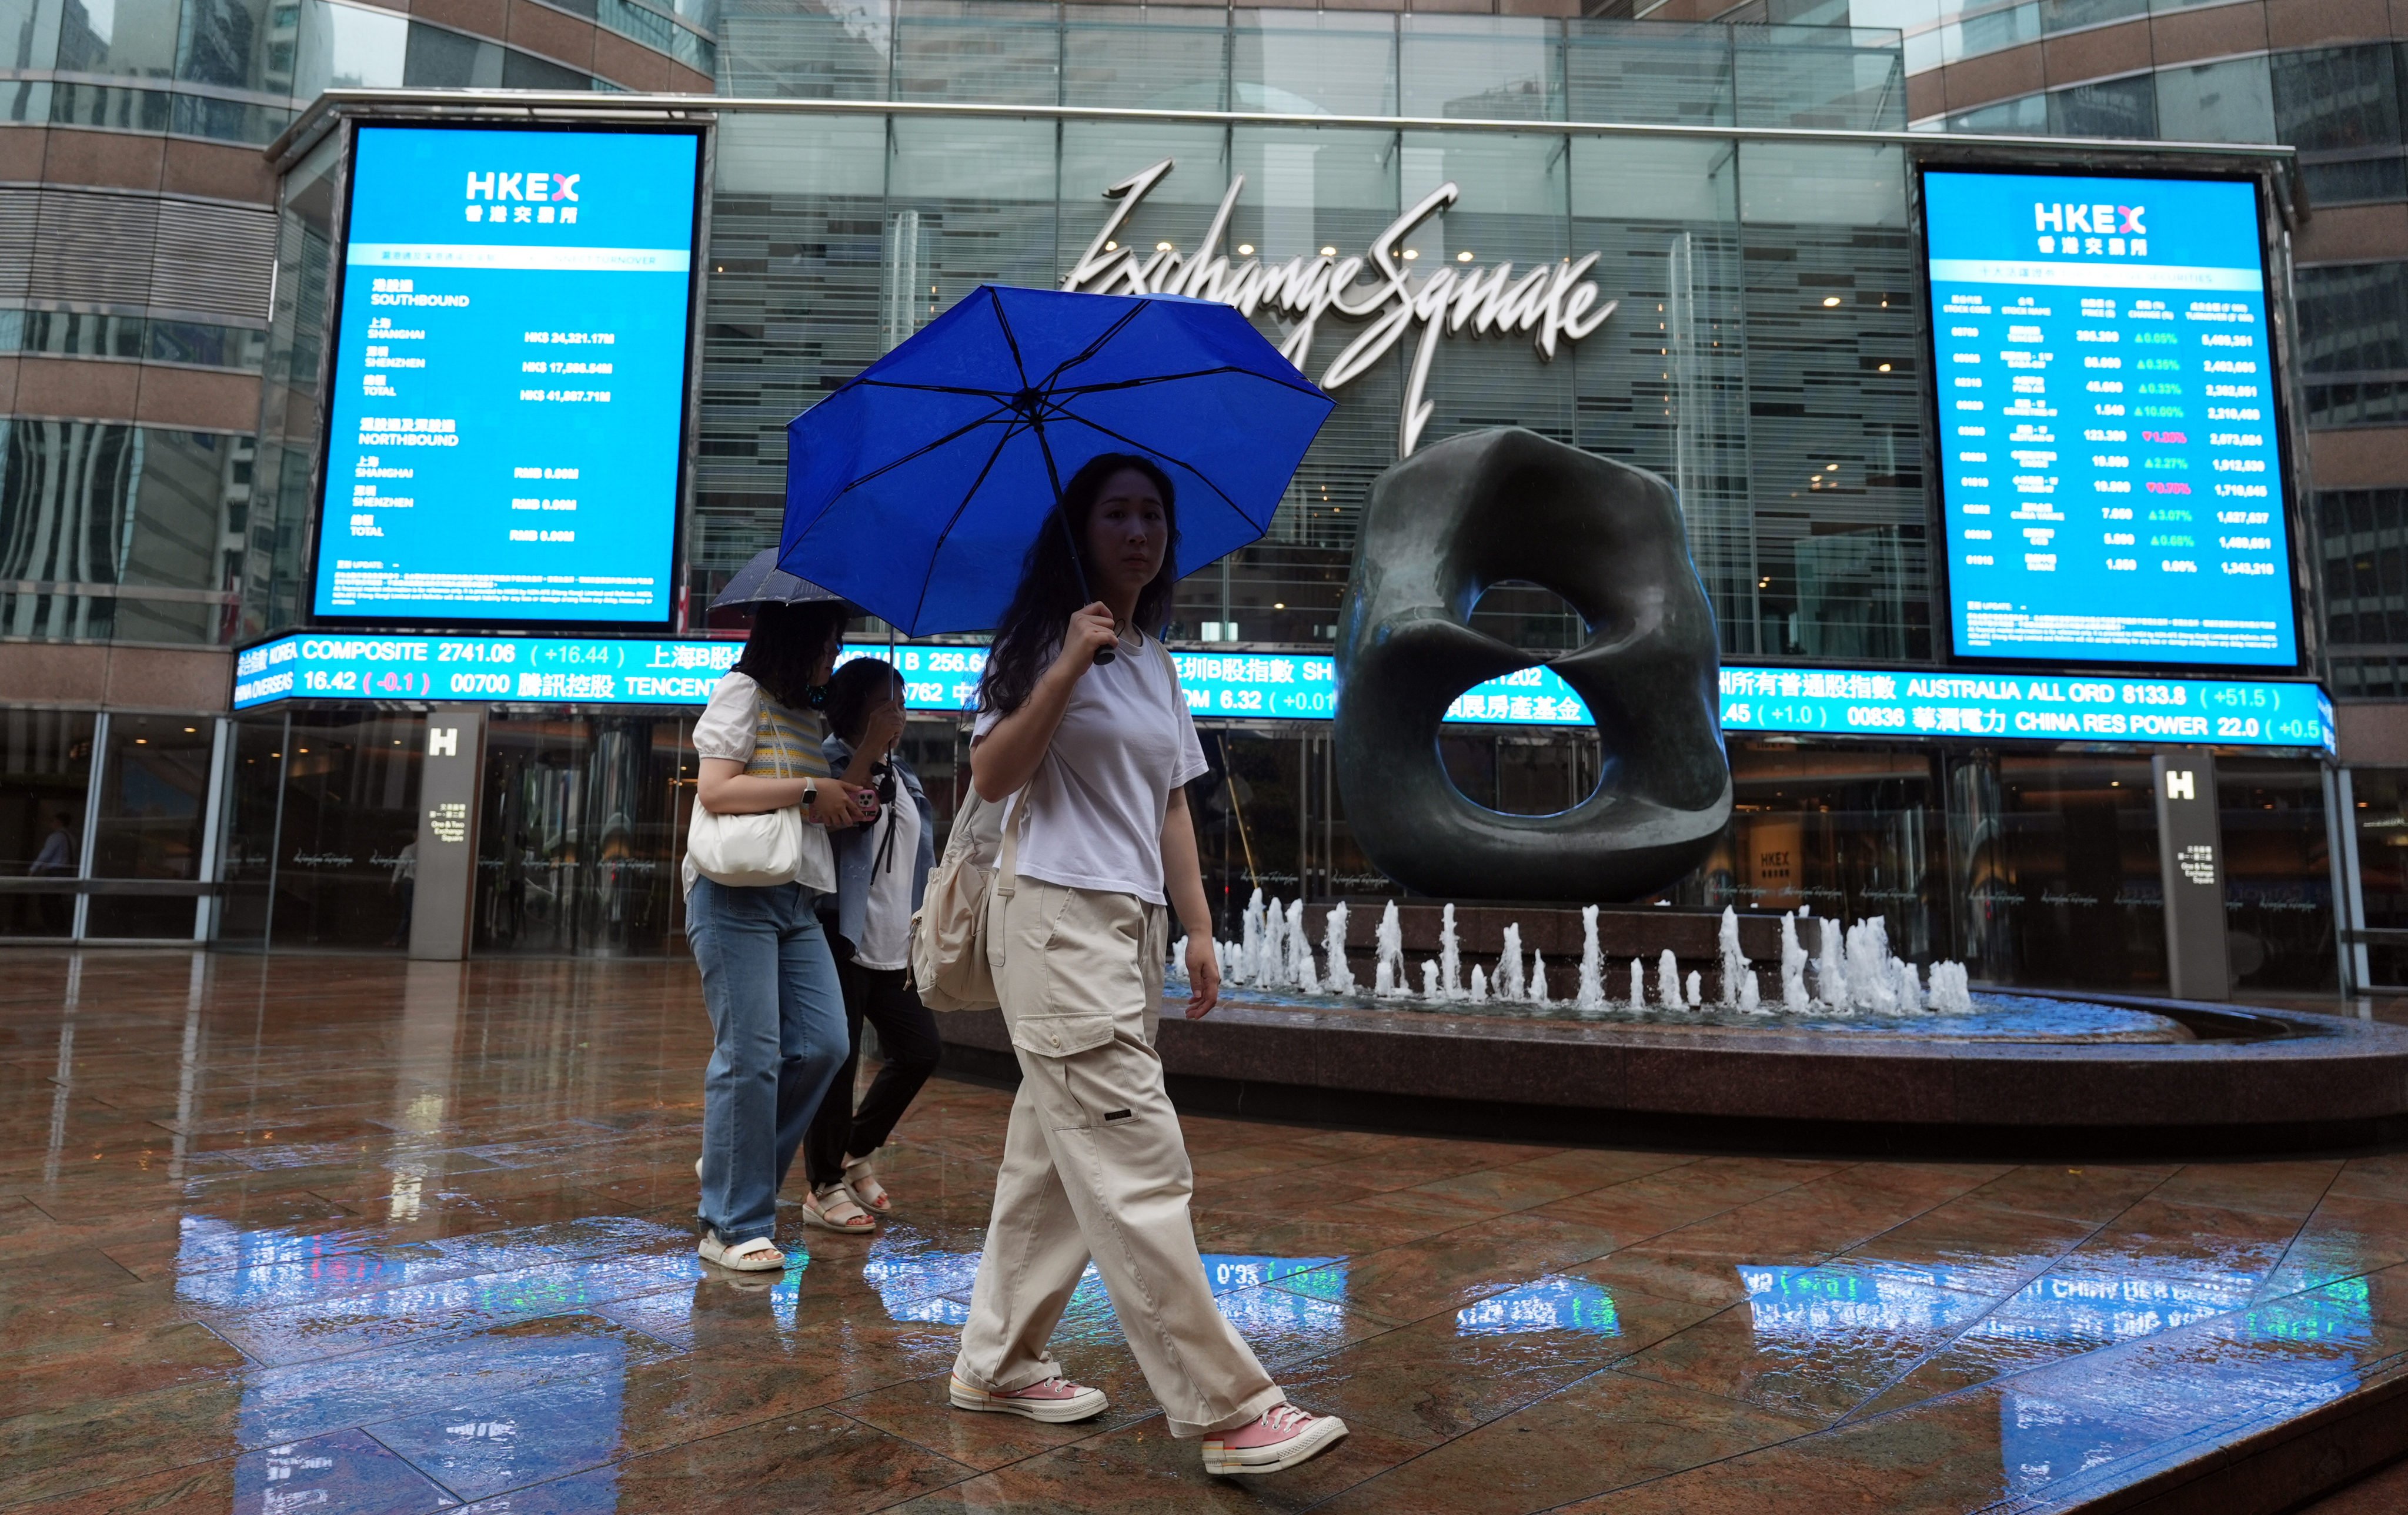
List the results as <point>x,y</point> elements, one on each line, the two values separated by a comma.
<point>1054,1401</point>
<point>1281,1437</point>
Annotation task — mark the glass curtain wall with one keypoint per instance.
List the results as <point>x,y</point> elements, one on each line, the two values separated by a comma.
<point>346,843</point>
<point>150,827</point>
<point>2382,821</point>
<point>45,778</point>
<point>581,834</point>
<point>1844,832</point>
<point>239,70</point>
<point>1762,355</point>
<point>2054,863</point>
<point>2278,875</point>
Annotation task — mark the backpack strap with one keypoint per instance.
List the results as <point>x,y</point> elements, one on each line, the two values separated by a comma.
<point>1007,864</point>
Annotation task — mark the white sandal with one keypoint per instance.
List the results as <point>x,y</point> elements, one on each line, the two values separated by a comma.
<point>827,1209</point>
<point>758,1256</point>
<point>865,1188</point>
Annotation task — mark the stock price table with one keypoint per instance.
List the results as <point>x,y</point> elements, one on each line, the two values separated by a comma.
<point>509,385</point>
<point>2107,430</point>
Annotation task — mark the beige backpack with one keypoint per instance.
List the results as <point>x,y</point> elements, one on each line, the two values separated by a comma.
<point>949,961</point>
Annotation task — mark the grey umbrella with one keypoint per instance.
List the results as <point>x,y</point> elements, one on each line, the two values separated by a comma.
<point>760,581</point>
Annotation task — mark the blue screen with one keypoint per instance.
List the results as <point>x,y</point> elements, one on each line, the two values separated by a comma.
<point>508,378</point>
<point>2110,474</point>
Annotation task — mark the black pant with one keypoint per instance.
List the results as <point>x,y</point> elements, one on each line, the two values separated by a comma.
<point>908,1032</point>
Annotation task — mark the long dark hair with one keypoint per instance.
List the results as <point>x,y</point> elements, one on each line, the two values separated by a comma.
<point>856,687</point>
<point>1052,587</point>
<point>782,654</point>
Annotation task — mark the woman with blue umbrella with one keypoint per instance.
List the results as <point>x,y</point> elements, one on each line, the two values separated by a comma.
<point>1081,727</point>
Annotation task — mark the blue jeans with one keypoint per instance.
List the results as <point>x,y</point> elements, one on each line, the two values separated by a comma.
<point>776,1019</point>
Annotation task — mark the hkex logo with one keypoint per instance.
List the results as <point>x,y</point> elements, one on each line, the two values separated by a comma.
<point>2095,230</point>
<point>535,193</point>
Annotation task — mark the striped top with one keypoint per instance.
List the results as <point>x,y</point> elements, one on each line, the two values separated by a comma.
<point>742,725</point>
<point>788,744</point>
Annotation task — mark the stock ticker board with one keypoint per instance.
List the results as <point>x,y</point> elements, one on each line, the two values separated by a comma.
<point>2112,481</point>
<point>1238,686</point>
<point>508,401</point>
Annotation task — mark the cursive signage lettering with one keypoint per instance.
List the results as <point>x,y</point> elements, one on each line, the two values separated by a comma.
<point>1549,303</point>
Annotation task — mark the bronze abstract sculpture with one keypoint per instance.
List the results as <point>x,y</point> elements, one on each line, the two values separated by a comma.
<point>1441,527</point>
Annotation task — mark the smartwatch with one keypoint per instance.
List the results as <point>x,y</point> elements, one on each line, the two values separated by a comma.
<point>811,792</point>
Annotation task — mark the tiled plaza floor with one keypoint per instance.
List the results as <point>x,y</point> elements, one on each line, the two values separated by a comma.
<point>333,1235</point>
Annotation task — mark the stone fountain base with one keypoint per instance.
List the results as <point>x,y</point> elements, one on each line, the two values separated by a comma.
<point>2219,1079</point>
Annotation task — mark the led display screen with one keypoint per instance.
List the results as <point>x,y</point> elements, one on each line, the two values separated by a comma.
<point>1301,686</point>
<point>507,413</point>
<point>2112,480</point>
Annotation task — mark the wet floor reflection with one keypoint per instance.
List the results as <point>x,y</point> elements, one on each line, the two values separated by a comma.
<point>2196,1385</point>
<point>349,1237</point>
<point>1800,1306</point>
<point>1552,1304</point>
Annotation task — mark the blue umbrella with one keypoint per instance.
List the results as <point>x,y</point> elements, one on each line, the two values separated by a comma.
<point>915,490</point>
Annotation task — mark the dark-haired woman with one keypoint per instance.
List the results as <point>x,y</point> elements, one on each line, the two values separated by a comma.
<point>1094,757</point>
<point>777,1013</point>
<point>881,872</point>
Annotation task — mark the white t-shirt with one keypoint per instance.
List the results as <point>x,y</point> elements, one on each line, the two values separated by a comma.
<point>886,917</point>
<point>726,729</point>
<point>1097,803</point>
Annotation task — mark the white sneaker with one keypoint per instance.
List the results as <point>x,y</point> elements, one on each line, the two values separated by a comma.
<point>758,1256</point>
<point>1054,1401</point>
<point>1283,1437</point>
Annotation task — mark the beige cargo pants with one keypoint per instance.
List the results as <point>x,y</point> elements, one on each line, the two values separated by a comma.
<point>1094,1165</point>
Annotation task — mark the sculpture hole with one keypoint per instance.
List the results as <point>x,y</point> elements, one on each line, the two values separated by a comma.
<point>1524,770</point>
<point>1520,772</point>
<point>1522,614</point>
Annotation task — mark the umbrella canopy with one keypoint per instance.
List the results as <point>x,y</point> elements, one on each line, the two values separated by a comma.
<point>915,490</point>
<point>760,581</point>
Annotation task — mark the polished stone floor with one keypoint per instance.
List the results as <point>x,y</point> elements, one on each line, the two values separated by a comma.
<point>336,1235</point>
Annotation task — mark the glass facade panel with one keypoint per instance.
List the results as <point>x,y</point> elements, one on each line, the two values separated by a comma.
<point>807,285</point>
<point>1830,77</point>
<point>1313,63</point>
<point>349,48</point>
<point>2119,107</point>
<point>1845,832</point>
<point>579,847</point>
<point>2277,875</point>
<point>1000,51</point>
<point>2340,107</point>
<point>2066,15</point>
<point>2353,342</point>
<point>1153,58</point>
<point>346,845</point>
<point>2382,820</point>
<point>796,49</point>
<point>1638,71</point>
<point>45,775</point>
<point>246,850</point>
<point>2054,862</point>
<point>2232,100</point>
<point>239,44</point>
<point>1479,68</point>
<point>289,399</point>
<point>96,502</point>
<point>154,790</point>
<point>439,60</point>
<point>134,37</point>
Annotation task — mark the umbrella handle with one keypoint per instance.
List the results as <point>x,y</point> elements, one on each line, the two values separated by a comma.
<point>1104,655</point>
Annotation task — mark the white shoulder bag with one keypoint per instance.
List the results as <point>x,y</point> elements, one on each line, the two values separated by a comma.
<point>748,851</point>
